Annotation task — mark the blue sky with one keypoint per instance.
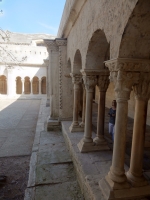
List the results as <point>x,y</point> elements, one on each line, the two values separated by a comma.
<point>31,16</point>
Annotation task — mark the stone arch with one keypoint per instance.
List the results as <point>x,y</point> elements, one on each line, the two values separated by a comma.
<point>98,51</point>
<point>3,84</point>
<point>135,41</point>
<point>43,85</point>
<point>18,85</point>
<point>35,85</point>
<point>77,63</point>
<point>27,85</point>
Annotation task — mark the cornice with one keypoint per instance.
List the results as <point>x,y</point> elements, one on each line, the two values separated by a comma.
<point>65,27</point>
<point>23,64</point>
<point>128,64</point>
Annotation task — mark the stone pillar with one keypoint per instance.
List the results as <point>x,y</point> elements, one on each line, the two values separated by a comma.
<point>40,86</point>
<point>83,108</point>
<point>10,81</point>
<point>31,87</point>
<point>22,85</point>
<point>77,80</point>
<point>103,82</point>
<point>142,94</point>
<point>86,144</point>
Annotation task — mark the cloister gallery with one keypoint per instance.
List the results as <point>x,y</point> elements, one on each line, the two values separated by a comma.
<point>101,53</point>
<point>103,46</point>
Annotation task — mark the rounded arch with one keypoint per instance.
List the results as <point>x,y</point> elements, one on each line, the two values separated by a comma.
<point>18,85</point>
<point>3,84</point>
<point>77,63</point>
<point>27,85</point>
<point>98,51</point>
<point>43,85</point>
<point>135,41</point>
<point>35,85</point>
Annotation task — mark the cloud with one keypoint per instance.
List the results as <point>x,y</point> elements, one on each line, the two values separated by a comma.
<point>48,27</point>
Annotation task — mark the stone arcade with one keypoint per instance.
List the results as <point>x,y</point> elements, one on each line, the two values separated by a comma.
<point>23,69</point>
<point>101,41</point>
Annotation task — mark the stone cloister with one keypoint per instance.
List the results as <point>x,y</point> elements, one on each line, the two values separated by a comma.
<point>102,53</point>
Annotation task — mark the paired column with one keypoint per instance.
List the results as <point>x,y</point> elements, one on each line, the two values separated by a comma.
<point>86,144</point>
<point>142,94</point>
<point>103,82</point>
<point>77,80</point>
<point>83,107</point>
<point>123,81</point>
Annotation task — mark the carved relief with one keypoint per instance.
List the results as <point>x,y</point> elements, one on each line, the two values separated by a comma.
<point>90,82</point>
<point>103,82</point>
<point>142,89</point>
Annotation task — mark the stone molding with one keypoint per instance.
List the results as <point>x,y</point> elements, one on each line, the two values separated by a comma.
<point>142,89</point>
<point>61,42</point>
<point>128,64</point>
<point>103,82</point>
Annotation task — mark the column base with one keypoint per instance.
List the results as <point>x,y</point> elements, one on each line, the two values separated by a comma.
<point>102,143</point>
<point>89,147</point>
<point>53,124</point>
<point>76,128</point>
<point>136,181</point>
<point>124,191</point>
<point>82,124</point>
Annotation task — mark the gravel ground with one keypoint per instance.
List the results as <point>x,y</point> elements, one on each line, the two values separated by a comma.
<point>16,169</point>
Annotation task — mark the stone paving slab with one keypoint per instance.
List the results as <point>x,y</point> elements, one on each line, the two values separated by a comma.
<point>51,167</point>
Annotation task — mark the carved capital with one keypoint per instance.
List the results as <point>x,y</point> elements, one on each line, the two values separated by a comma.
<point>103,82</point>
<point>90,82</point>
<point>128,64</point>
<point>76,80</point>
<point>51,45</point>
<point>142,89</point>
<point>123,82</point>
<point>61,42</point>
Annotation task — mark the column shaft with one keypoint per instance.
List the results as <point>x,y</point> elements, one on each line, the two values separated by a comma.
<point>84,107</point>
<point>88,117</point>
<point>76,105</point>
<point>135,174</point>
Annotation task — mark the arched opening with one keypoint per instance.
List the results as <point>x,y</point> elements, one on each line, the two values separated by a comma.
<point>3,85</point>
<point>27,85</point>
<point>77,64</point>
<point>18,85</point>
<point>35,85</point>
<point>98,51</point>
<point>135,41</point>
<point>43,85</point>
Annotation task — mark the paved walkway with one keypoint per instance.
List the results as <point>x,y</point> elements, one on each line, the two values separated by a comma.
<point>18,120</point>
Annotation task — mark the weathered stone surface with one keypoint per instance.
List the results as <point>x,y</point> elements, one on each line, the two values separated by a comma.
<point>67,191</point>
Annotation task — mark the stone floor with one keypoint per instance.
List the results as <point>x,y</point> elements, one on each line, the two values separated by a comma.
<point>52,174</point>
<point>18,120</point>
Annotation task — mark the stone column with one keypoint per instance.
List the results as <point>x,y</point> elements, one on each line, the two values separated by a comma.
<point>83,108</point>
<point>142,94</point>
<point>22,85</point>
<point>77,80</point>
<point>31,86</point>
<point>10,81</point>
<point>40,86</point>
<point>86,144</point>
<point>103,82</point>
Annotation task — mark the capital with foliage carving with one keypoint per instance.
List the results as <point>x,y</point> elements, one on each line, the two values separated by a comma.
<point>142,89</point>
<point>76,80</point>
<point>90,82</point>
<point>103,82</point>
